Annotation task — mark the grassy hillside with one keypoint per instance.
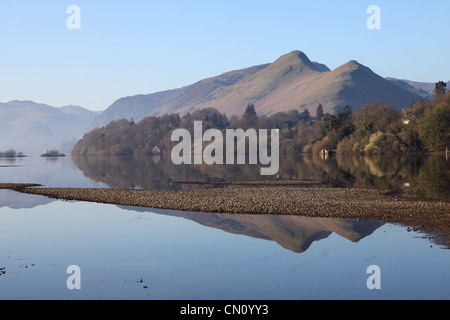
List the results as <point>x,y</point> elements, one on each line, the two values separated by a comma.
<point>292,82</point>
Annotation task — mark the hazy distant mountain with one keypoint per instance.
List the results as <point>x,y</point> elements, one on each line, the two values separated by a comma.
<point>33,128</point>
<point>135,107</point>
<point>291,82</point>
<point>423,89</point>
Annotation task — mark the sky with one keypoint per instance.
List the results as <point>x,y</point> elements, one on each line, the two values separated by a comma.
<point>124,48</point>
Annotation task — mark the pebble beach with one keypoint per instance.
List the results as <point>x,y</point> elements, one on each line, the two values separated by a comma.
<point>318,201</point>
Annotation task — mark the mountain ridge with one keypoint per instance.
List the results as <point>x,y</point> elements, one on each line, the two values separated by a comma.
<point>292,81</point>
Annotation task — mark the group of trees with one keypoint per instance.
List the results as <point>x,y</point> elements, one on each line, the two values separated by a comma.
<point>11,154</point>
<point>379,128</point>
<point>123,137</point>
<point>372,129</point>
<point>52,154</point>
<point>433,120</point>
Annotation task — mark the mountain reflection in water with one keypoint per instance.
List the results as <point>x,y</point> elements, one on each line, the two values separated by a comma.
<point>294,233</point>
<point>423,176</point>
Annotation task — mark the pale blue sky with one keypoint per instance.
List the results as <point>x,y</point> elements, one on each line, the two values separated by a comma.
<point>132,47</point>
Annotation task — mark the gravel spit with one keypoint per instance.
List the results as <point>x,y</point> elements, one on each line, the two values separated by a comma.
<point>352,203</point>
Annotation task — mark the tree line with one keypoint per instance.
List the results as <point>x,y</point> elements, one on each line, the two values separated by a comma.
<point>375,128</point>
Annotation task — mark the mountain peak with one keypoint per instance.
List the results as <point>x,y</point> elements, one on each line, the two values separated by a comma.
<point>288,67</point>
<point>353,64</point>
<point>296,54</point>
<point>296,59</point>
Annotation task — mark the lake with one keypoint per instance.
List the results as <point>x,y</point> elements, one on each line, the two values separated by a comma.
<point>139,253</point>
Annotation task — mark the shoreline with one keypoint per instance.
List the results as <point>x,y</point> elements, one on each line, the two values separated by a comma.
<point>428,216</point>
<point>296,182</point>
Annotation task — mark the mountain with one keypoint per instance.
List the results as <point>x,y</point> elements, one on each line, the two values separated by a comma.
<point>355,84</point>
<point>271,89</point>
<point>141,106</point>
<point>33,128</point>
<point>291,82</point>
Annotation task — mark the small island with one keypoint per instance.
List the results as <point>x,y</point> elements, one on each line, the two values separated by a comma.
<point>53,154</point>
<point>11,154</point>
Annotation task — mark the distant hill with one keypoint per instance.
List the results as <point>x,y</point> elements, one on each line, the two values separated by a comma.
<point>291,82</point>
<point>135,107</point>
<point>33,128</point>
<point>423,89</point>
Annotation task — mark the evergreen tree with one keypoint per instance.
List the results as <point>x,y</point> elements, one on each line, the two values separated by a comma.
<point>250,110</point>
<point>319,112</point>
<point>347,110</point>
<point>439,90</point>
<point>250,118</point>
<point>305,115</point>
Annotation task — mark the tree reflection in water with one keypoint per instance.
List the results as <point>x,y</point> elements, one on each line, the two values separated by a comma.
<point>422,176</point>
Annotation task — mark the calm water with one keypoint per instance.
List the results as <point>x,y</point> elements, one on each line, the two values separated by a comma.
<point>136,253</point>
